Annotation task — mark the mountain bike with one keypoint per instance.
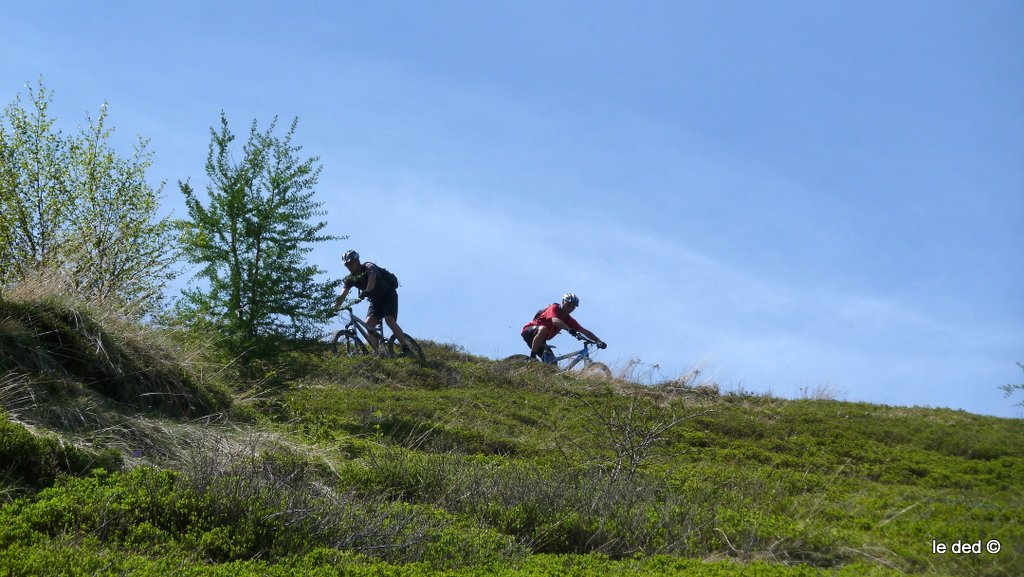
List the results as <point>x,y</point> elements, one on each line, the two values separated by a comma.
<point>354,339</point>
<point>580,358</point>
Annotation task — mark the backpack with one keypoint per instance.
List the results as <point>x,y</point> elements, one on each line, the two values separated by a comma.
<point>388,276</point>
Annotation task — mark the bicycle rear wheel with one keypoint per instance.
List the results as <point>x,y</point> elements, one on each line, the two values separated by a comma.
<point>348,343</point>
<point>415,352</point>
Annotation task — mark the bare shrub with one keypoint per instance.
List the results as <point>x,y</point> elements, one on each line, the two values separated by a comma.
<point>624,437</point>
<point>695,383</point>
<point>820,392</point>
<point>638,372</point>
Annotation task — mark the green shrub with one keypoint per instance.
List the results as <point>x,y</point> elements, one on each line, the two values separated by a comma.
<point>34,461</point>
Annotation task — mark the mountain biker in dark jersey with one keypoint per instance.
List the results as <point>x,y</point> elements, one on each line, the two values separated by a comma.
<point>374,286</point>
<point>550,321</point>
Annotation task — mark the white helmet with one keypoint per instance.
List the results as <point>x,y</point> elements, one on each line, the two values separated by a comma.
<point>570,298</point>
<point>350,256</point>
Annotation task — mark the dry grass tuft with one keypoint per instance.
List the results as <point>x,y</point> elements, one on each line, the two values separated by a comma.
<point>53,339</point>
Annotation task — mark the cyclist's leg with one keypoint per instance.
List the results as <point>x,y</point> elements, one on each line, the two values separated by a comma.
<point>537,347</point>
<point>528,335</point>
<point>371,335</point>
<point>385,307</point>
<point>388,309</point>
<point>392,323</point>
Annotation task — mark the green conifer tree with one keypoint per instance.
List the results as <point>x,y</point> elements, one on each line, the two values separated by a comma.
<point>251,240</point>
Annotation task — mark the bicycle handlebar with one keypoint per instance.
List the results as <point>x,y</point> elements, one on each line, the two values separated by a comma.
<point>582,338</point>
<point>347,306</point>
<point>585,340</point>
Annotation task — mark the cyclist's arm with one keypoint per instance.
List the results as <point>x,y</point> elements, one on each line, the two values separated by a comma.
<point>347,286</point>
<point>573,328</point>
<point>341,299</point>
<point>560,324</point>
<point>371,280</point>
<point>590,335</point>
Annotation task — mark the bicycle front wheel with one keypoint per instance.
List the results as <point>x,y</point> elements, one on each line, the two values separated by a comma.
<point>597,370</point>
<point>415,352</point>
<point>347,343</point>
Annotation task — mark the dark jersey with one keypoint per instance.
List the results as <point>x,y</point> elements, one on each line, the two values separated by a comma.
<point>361,280</point>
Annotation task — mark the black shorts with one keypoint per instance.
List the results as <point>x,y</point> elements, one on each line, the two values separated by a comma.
<point>384,305</point>
<point>528,336</point>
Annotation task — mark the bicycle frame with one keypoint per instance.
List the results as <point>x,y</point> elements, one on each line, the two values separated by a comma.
<point>576,356</point>
<point>359,327</point>
<point>356,338</point>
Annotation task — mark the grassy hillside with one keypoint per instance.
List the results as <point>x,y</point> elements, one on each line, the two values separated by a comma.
<point>125,451</point>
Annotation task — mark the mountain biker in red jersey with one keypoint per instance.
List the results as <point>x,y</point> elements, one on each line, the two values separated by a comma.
<point>548,322</point>
<point>374,286</point>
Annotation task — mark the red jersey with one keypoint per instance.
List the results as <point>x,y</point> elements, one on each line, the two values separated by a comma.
<point>554,311</point>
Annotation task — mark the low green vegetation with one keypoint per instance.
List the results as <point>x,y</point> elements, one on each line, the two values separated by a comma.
<point>125,450</point>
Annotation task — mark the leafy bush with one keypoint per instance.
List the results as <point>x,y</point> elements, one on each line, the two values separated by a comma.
<point>35,461</point>
<point>263,506</point>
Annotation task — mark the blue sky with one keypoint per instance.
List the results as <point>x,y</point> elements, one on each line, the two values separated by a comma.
<point>792,196</point>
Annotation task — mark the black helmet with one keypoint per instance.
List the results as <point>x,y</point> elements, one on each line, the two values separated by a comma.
<point>350,256</point>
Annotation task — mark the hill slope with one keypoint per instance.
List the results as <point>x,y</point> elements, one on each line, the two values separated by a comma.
<point>120,454</point>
